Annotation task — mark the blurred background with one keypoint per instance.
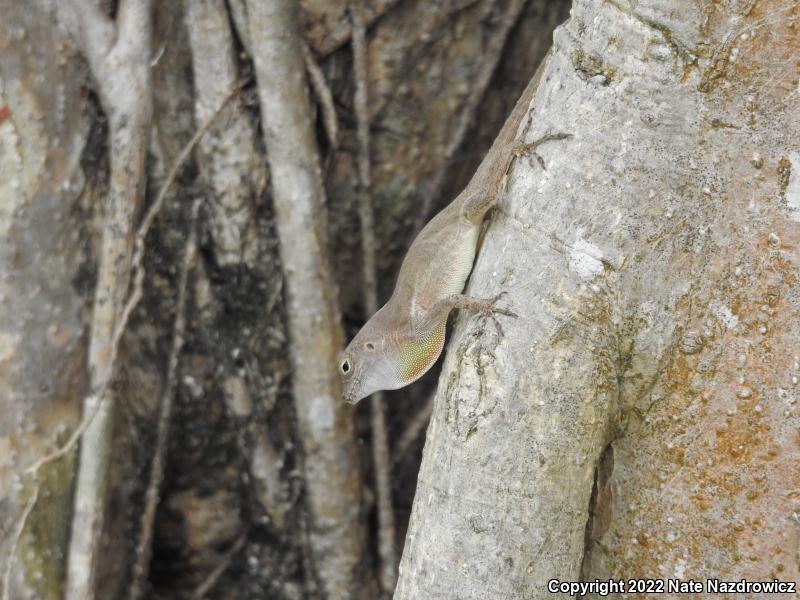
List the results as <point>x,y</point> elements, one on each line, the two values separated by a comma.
<point>231,488</point>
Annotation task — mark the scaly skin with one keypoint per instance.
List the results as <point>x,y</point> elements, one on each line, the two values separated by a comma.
<point>405,337</point>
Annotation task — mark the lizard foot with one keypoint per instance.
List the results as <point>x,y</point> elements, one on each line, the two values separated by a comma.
<point>529,149</point>
<point>490,310</point>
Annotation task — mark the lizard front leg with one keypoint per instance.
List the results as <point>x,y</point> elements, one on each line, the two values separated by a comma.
<point>529,148</point>
<point>477,203</point>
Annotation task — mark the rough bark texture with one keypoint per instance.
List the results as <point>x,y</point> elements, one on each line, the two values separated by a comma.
<point>706,470</point>
<point>324,422</point>
<point>654,267</point>
<point>229,155</point>
<point>119,60</point>
<point>43,284</point>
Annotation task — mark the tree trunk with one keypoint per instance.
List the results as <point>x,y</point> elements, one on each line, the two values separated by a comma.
<point>654,268</point>
<point>325,424</point>
<point>44,204</point>
<point>118,53</point>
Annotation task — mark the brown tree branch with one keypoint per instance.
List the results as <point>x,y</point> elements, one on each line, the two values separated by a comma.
<point>323,93</point>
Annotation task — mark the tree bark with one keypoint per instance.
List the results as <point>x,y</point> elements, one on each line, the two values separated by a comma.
<point>43,207</point>
<point>654,268</point>
<point>118,54</point>
<point>324,422</point>
<point>228,153</point>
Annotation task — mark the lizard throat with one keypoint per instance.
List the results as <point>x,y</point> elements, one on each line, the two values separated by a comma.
<point>417,355</point>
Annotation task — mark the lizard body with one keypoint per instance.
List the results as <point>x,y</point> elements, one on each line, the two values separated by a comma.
<point>404,338</point>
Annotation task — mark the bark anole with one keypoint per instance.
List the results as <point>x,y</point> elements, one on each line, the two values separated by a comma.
<point>405,337</point>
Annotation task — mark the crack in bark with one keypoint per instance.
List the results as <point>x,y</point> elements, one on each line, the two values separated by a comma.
<point>688,57</point>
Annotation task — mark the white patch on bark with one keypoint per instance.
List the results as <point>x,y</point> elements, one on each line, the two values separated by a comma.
<point>680,568</point>
<point>724,314</point>
<point>793,189</point>
<point>22,151</point>
<point>585,259</point>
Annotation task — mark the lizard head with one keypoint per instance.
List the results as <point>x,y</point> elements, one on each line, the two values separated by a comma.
<point>368,364</point>
<point>385,356</point>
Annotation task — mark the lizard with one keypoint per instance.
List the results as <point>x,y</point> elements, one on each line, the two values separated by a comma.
<point>405,337</point>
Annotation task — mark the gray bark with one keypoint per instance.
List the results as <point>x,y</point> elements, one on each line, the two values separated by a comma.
<point>43,203</point>
<point>119,59</point>
<point>325,424</point>
<point>228,153</point>
<point>327,24</point>
<point>657,250</point>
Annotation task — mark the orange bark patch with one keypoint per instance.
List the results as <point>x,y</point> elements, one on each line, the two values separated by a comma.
<point>5,112</point>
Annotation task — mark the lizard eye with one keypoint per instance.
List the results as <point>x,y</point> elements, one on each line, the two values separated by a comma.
<point>346,367</point>
<point>369,346</point>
